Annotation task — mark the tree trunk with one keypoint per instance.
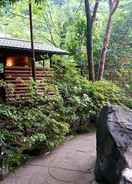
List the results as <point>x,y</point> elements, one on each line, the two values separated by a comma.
<point>89,42</point>
<point>105,48</point>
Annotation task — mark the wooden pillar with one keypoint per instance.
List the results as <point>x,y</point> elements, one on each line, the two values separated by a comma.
<point>43,63</point>
<point>32,42</point>
<point>50,57</point>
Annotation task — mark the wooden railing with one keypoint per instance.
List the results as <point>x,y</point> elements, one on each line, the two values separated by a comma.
<point>19,81</point>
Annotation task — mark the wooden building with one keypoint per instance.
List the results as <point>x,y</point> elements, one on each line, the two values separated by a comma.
<point>16,67</point>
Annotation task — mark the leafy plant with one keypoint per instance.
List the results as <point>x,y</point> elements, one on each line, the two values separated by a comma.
<point>84,99</point>
<point>33,124</point>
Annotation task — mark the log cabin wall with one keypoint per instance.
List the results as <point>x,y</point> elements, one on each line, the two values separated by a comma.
<point>19,80</point>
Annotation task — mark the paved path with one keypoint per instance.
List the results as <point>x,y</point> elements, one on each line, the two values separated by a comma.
<point>71,163</point>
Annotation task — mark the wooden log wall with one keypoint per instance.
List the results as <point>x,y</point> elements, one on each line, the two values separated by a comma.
<point>19,82</point>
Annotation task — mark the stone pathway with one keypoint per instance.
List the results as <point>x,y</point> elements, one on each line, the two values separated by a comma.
<point>71,163</point>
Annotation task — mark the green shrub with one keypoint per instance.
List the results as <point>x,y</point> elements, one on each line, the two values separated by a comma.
<point>83,99</point>
<point>123,78</point>
<point>104,92</point>
<point>38,123</point>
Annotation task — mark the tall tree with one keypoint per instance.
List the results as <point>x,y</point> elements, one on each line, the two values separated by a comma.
<point>90,16</point>
<point>113,4</point>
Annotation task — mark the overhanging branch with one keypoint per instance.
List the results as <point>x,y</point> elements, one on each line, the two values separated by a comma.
<point>95,10</point>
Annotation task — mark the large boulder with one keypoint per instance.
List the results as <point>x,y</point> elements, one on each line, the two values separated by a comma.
<point>114,146</point>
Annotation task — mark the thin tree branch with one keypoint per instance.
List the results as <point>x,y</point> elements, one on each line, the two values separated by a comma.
<point>115,5</point>
<point>80,4</point>
<point>51,17</point>
<point>110,4</point>
<point>95,10</point>
<point>50,31</point>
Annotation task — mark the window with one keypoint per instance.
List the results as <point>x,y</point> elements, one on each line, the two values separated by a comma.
<point>17,61</point>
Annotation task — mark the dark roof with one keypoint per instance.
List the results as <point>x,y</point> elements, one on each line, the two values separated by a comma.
<point>10,43</point>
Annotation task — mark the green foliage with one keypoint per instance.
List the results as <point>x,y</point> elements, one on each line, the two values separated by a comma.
<point>83,99</point>
<point>120,44</point>
<point>64,25</point>
<point>123,77</point>
<point>36,124</point>
<point>75,38</point>
<point>104,92</point>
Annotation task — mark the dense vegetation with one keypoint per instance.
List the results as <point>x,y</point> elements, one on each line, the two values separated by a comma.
<point>44,122</point>
<point>30,127</point>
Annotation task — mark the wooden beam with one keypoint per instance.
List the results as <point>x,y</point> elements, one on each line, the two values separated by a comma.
<point>32,41</point>
<point>50,57</point>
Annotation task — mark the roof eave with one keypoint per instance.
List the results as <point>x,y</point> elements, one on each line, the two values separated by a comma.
<point>36,50</point>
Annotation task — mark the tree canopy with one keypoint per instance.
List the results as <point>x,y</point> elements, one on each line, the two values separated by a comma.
<point>63,23</point>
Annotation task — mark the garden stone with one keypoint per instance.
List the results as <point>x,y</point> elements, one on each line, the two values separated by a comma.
<point>114,146</point>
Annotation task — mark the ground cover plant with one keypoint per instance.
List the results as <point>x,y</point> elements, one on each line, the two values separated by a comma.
<point>31,126</point>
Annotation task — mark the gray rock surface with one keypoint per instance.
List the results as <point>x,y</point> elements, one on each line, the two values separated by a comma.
<point>114,146</point>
